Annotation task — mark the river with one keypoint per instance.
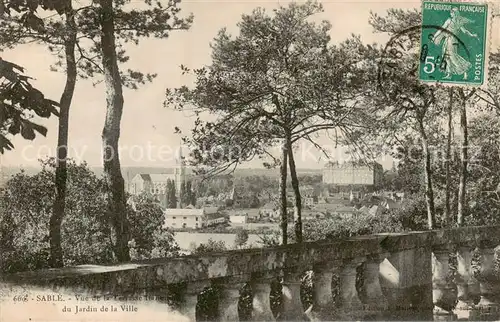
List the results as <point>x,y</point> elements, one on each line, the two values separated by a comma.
<point>185,239</point>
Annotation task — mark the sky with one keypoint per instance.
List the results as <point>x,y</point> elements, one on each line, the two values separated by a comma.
<point>147,128</point>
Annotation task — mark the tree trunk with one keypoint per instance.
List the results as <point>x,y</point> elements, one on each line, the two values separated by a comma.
<point>111,134</point>
<point>429,193</point>
<point>56,255</point>
<point>283,199</point>
<point>447,210</point>
<point>296,191</point>
<point>464,160</point>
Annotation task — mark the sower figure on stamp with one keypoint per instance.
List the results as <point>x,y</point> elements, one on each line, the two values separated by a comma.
<point>455,64</point>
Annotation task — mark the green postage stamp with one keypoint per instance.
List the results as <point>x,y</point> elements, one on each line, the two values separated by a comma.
<point>454,43</point>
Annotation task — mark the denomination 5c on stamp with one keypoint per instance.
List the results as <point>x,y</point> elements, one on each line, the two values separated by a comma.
<point>454,43</point>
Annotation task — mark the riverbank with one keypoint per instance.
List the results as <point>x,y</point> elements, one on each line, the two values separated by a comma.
<point>187,240</point>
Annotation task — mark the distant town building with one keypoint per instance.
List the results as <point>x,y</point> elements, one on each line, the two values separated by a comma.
<point>238,219</point>
<point>250,213</point>
<point>184,218</point>
<point>156,183</point>
<point>389,204</point>
<point>210,210</point>
<point>190,217</point>
<point>269,210</point>
<point>310,200</point>
<point>376,210</point>
<point>311,215</point>
<point>345,212</point>
<point>353,174</point>
<point>214,219</point>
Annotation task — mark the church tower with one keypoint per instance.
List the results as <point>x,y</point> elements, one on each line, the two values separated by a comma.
<point>180,177</point>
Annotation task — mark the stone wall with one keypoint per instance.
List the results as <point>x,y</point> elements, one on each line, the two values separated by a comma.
<point>401,272</point>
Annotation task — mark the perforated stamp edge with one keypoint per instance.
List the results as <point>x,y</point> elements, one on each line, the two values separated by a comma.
<point>490,33</point>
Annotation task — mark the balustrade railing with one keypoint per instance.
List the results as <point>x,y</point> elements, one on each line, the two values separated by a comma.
<point>404,275</point>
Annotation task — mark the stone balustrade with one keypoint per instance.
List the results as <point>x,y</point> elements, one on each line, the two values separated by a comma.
<point>404,274</point>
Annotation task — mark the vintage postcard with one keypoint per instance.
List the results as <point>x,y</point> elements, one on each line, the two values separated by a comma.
<point>257,160</point>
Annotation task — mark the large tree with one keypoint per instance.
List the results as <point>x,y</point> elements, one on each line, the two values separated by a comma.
<point>118,25</point>
<point>406,104</point>
<point>483,200</point>
<point>449,136</point>
<point>171,194</point>
<point>92,36</point>
<point>29,27</point>
<point>111,133</point>
<point>277,82</point>
<point>399,69</point>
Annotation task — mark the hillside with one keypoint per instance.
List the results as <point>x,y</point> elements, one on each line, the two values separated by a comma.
<point>130,172</point>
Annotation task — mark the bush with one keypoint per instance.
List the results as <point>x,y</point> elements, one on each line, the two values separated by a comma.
<point>85,232</point>
<point>211,246</point>
<point>148,237</point>
<point>241,238</point>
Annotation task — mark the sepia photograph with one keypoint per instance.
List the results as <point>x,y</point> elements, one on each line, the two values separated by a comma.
<point>249,160</point>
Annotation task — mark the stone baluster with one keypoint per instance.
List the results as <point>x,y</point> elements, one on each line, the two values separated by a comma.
<point>261,302</point>
<point>350,304</point>
<point>465,283</point>
<point>406,278</point>
<point>229,297</point>
<point>442,295</point>
<point>375,299</point>
<point>489,286</point>
<point>322,308</point>
<point>190,298</point>
<point>292,308</point>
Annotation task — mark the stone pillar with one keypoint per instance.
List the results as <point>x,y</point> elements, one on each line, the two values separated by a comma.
<point>261,303</point>
<point>350,305</point>
<point>292,308</point>
<point>190,298</point>
<point>406,280</point>
<point>372,290</point>
<point>489,286</point>
<point>464,277</point>
<point>442,295</point>
<point>488,308</point>
<point>229,297</point>
<point>473,286</point>
<point>322,308</point>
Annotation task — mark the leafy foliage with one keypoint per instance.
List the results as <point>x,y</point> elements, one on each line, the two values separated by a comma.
<point>484,186</point>
<point>241,238</point>
<point>27,204</point>
<point>212,246</point>
<point>98,32</point>
<point>277,82</point>
<point>188,195</point>
<point>153,19</point>
<point>268,81</point>
<point>171,196</point>
<point>149,239</point>
<point>20,103</point>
